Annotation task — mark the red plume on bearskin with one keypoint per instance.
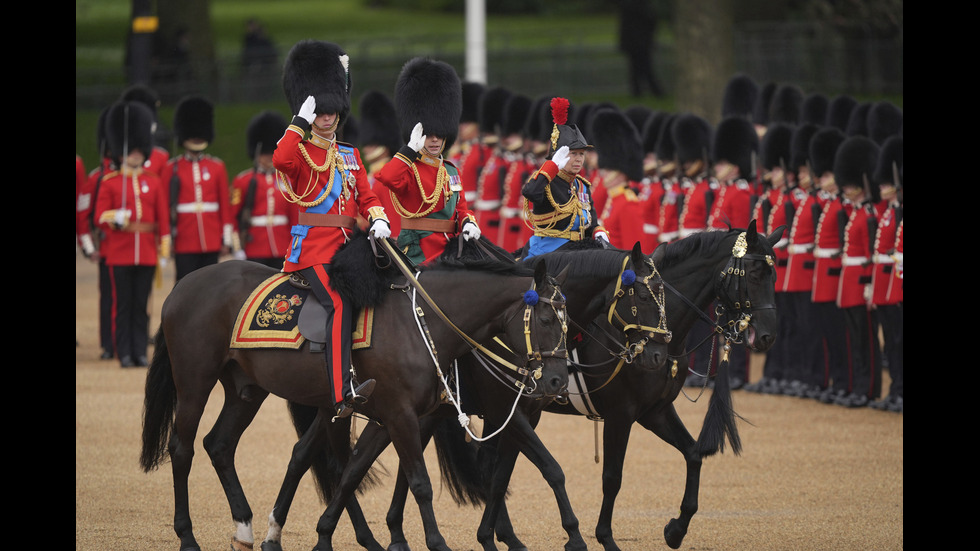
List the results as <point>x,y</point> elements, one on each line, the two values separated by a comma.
<point>559,110</point>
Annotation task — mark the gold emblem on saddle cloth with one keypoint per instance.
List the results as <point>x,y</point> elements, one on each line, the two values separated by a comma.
<point>278,310</point>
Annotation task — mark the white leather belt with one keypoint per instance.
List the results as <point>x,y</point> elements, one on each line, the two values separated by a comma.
<point>854,261</point>
<point>651,228</point>
<point>266,221</point>
<point>185,208</point>
<point>484,204</point>
<point>881,258</point>
<point>825,253</point>
<point>800,249</point>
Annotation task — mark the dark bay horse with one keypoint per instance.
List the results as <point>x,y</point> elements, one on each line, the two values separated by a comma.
<point>614,297</point>
<point>732,270</point>
<point>521,306</point>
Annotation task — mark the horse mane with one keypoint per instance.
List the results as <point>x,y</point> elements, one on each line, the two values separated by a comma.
<point>702,244</point>
<point>585,262</point>
<point>475,257</point>
<point>357,275</point>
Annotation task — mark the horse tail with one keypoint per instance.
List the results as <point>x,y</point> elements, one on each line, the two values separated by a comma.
<point>158,406</point>
<point>325,467</point>
<point>719,421</point>
<point>463,464</point>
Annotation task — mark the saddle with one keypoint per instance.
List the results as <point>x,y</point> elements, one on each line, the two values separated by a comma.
<point>277,314</point>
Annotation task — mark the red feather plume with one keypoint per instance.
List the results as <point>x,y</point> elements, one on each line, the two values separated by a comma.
<point>559,110</point>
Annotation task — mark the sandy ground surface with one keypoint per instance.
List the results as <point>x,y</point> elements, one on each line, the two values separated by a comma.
<point>811,476</point>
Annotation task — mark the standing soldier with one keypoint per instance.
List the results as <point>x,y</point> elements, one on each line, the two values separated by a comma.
<point>735,147</point>
<point>692,134</point>
<point>131,208</point>
<point>469,152</point>
<point>260,208</point>
<point>620,161</point>
<point>380,140</point>
<point>652,191</point>
<point>327,180</point>
<point>854,167</point>
<point>426,189</point>
<point>515,147</point>
<point>201,217</point>
<point>559,200</point>
<point>490,184</point>
<point>667,169</point>
<point>142,93</point>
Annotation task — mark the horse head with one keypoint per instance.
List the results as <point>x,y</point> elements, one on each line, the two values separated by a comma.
<point>638,310</point>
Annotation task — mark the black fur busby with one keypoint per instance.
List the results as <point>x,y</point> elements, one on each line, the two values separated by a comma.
<point>143,94</point>
<point>775,150</point>
<point>839,111</point>
<point>787,105</point>
<point>429,91</point>
<point>534,127</point>
<point>263,132</point>
<point>562,133</point>
<point>650,133</point>
<point>638,115</point>
<point>855,161</point>
<point>884,121</point>
<point>319,69</point>
<point>760,110</point>
<point>194,119</point>
<point>692,137</point>
<point>129,127</point>
<point>857,123</point>
<point>739,97</point>
<point>617,143</point>
<point>585,117</point>
<point>515,114</point>
<point>379,121</point>
<point>814,109</point>
<point>350,132</point>
<point>823,149</point>
<point>736,141</point>
<point>666,147</point>
<point>890,163</point>
<point>491,109</point>
<point>472,91</point>
<point>800,145</point>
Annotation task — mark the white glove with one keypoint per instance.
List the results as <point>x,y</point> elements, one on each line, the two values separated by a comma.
<point>88,246</point>
<point>239,255</point>
<point>417,140</point>
<point>381,229</point>
<point>560,157</point>
<point>601,237</point>
<point>470,231</point>
<point>121,217</point>
<point>307,111</point>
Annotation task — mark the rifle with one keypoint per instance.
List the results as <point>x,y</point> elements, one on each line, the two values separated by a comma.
<point>248,202</point>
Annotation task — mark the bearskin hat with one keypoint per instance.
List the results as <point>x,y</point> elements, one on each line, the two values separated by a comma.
<point>857,123</point>
<point>787,105</point>
<point>884,121</point>
<point>823,149</point>
<point>263,132</point>
<point>515,114</point>
<point>739,97</point>
<point>319,69</point>
<point>760,110</point>
<point>692,136</point>
<point>814,109</point>
<point>129,127</point>
<point>143,94</point>
<point>800,145</point>
<point>666,147</point>
<point>617,143</point>
<point>534,129</point>
<point>775,150</point>
<point>650,133</point>
<point>564,134</point>
<point>855,160</point>
<point>471,101</point>
<point>379,122</point>
<point>890,164</point>
<point>491,109</point>
<point>638,115</point>
<point>839,111</point>
<point>350,132</point>
<point>736,141</point>
<point>194,119</point>
<point>429,91</point>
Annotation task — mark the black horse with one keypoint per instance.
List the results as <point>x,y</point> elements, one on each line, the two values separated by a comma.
<point>732,270</point>
<point>520,306</point>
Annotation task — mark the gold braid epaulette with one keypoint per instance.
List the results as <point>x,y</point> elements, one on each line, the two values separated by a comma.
<point>544,224</point>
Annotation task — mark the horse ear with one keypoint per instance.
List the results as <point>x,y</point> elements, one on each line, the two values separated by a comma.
<point>562,276</point>
<point>636,255</point>
<point>776,235</point>
<point>751,229</point>
<point>540,271</point>
<point>659,253</point>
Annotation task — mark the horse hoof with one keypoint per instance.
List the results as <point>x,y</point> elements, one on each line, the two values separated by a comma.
<point>239,545</point>
<point>674,534</point>
<point>271,546</point>
<point>400,546</point>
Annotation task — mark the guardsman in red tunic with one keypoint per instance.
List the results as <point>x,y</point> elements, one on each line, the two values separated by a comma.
<point>490,184</point>
<point>692,134</point>
<point>132,209</point>
<point>829,238</point>
<point>667,169</point>
<point>515,145</point>
<point>652,189</point>
<point>854,167</point>
<point>201,216</point>
<point>264,217</point>
<point>157,160</point>
<point>380,139</point>
<point>735,147</point>
<point>887,292</point>
<point>426,189</point>
<point>620,161</point>
<point>327,180</point>
<point>469,152</point>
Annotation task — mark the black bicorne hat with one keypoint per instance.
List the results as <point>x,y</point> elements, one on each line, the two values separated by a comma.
<point>562,133</point>
<point>823,149</point>
<point>129,127</point>
<point>736,141</point>
<point>617,143</point>
<point>319,69</point>
<point>379,122</point>
<point>194,119</point>
<point>428,91</point>
<point>263,132</point>
<point>739,97</point>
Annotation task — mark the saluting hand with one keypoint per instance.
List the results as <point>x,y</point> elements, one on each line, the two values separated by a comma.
<point>307,111</point>
<point>560,157</point>
<point>417,140</point>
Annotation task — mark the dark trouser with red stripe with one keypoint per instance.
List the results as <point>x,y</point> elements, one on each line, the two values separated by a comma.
<point>185,263</point>
<point>131,287</point>
<point>892,319</point>
<point>339,322</point>
<point>830,324</point>
<point>865,355</point>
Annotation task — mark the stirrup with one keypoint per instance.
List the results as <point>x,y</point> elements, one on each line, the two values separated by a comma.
<point>362,392</point>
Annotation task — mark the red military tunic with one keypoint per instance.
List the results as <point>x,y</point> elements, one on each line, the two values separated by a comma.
<point>271,217</point>
<point>651,194</point>
<point>802,235</point>
<point>732,206</point>
<point>856,256</point>
<point>203,209</point>
<point>780,215</point>
<point>142,194</point>
<point>886,285</point>
<point>157,161</point>
<point>490,193</point>
<point>427,195</point>
<point>622,216</point>
<point>470,158</point>
<point>514,232</point>
<point>340,189</point>
<point>826,271</point>
<point>669,229</point>
<point>693,217</point>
